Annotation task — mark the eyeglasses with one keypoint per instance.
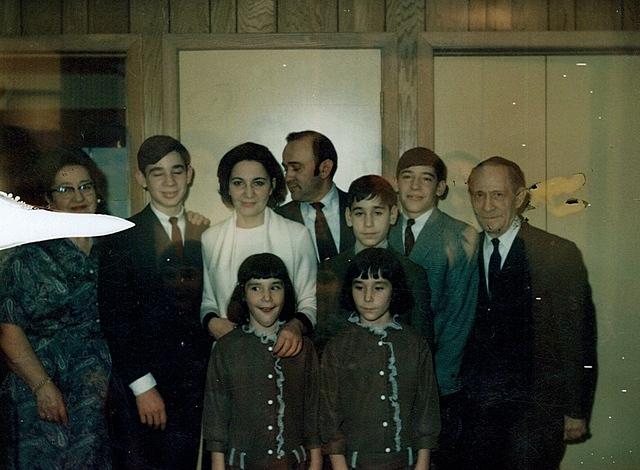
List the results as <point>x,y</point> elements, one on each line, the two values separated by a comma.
<point>69,191</point>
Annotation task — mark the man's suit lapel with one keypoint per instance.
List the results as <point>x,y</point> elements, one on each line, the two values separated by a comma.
<point>347,238</point>
<point>430,232</point>
<point>292,211</point>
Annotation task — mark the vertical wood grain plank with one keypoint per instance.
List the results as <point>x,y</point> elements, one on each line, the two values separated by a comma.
<point>498,15</point>
<point>598,15</point>
<point>135,120</point>
<point>529,15</point>
<point>41,17</point>
<point>426,96</point>
<point>75,17</point>
<point>406,18</point>
<point>257,16</point>
<point>189,16</point>
<point>108,16</point>
<point>361,16</point>
<point>10,20</point>
<point>631,15</point>
<point>223,16</point>
<point>562,15</point>
<point>477,15</point>
<point>307,16</point>
<point>447,15</point>
<point>149,16</point>
<point>152,83</point>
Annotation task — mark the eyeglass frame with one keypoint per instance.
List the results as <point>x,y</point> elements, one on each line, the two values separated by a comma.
<point>67,191</point>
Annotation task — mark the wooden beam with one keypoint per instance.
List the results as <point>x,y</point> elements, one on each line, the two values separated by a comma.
<point>108,16</point>
<point>307,16</point>
<point>257,16</point>
<point>189,16</point>
<point>406,19</point>
<point>361,16</point>
<point>10,19</point>
<point>41,17</point>
<point>75,17</point>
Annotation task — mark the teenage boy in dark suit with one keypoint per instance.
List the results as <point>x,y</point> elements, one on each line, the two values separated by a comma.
<point>150,288</point>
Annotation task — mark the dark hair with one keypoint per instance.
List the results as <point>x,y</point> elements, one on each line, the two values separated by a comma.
<point>378,263</point>
<point>261,266</point>
<point>257,153</point>
<point>18,165</point>
<point>369,187</point>
<point>422,156</point>
<point>427,157</point>
<point>156,147</point>
<point>323,148</point>
<point>54,160</point>
<point>516,175</point>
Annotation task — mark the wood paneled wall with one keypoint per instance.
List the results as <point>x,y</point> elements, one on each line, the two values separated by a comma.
<point>30,17</point>
<point>406,18</point>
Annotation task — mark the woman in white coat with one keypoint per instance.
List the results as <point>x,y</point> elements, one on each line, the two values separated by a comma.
<point>251,182</point>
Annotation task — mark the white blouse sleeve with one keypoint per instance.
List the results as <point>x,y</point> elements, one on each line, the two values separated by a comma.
<point>304,277</point>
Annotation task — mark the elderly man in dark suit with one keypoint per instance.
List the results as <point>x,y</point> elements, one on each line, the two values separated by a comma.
<point>150,288</point>
<point>528,370</point>
<point>310,161</point>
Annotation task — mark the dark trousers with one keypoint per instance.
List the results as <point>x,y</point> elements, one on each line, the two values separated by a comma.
<point>137,446</point>
<point>448,454</point>
<point>506,436</point>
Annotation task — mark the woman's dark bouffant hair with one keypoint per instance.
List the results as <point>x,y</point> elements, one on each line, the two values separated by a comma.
<point>257,153</point>
<point>261,266</point>
<point>378,263</point>
<point>54,160</point>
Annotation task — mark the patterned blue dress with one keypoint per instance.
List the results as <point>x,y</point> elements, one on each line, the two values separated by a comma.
<point>49,289</point>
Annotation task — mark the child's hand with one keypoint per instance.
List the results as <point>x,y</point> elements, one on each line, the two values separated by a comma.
<point>316,459</point>
<point>289,342</point>
<point>218,327</point>
<point>339,462</point>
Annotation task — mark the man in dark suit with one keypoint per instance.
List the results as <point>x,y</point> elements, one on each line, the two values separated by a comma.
<point>529,367</point>
<point>310,161</point>
<point>371,212</point>
<point>150,288</point>
<point>447,249</point>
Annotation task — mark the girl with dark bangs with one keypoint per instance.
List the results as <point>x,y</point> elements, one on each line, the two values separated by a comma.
<point>379,397</point>
<point>260,410</point>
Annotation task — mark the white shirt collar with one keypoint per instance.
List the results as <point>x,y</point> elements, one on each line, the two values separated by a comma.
<point>506,240</point>
<point>419,224</point>
<point>164,220</point>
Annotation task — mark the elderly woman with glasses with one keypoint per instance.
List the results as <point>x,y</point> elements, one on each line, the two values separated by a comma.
<point>53,401</point>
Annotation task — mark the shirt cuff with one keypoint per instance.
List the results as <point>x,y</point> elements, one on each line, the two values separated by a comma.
<point>143,384</point>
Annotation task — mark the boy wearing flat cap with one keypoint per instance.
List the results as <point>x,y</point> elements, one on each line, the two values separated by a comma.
<point>447,249</point>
